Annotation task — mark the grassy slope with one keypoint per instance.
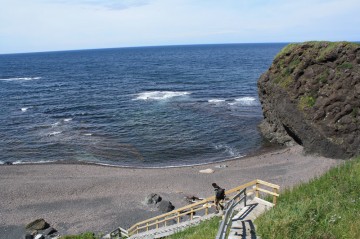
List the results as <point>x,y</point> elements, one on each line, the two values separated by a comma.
<point>86,235</point>
<point>327,207</point>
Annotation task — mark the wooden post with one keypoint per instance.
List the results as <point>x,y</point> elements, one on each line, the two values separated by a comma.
<point>157,224</point>
<point>137,229</point>
<point>257,190</point>
<point>206,209</point>
<point>178,217</point>
<point>274,197</point>
<point>165,222</point>
<point>191,214</point>
<point>147,226</point>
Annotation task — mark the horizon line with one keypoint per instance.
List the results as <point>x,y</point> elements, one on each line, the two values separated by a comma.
<point>154,46</point>
<point>142,46</point>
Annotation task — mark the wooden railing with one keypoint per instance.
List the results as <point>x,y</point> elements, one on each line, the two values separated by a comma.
<point>203,206</point>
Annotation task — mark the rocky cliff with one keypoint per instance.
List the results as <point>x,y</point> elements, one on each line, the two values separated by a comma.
<point>311,96</point>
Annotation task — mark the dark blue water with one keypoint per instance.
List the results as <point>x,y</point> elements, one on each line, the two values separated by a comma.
<point>148,106</point>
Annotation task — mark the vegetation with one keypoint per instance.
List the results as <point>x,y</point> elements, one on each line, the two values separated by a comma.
<point>306,101</point>
<point>207,229</point>
<point>345,65</point>
<point>327,207</point>
<point>86,235</point>
<point>323,77</point>
<point>327,50</point>
<point>286,50</point>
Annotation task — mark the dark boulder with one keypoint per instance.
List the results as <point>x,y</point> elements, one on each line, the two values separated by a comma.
<point>152,199</point>
<point>165,206</point>
<point>38,224</point>
<point>311,96</point>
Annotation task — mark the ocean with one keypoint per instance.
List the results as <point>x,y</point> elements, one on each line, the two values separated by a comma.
<point>133,107</point>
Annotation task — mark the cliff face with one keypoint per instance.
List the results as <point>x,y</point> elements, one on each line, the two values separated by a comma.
<point>311,96</point>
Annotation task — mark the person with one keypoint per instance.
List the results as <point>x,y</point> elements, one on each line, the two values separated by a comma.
<point>219,197</point>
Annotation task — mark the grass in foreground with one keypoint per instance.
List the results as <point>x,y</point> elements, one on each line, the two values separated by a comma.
<point>325,208</point>
<point>205,230</point>
<point>86,235</point>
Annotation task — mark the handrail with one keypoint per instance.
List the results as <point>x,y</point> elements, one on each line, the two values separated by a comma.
<point>229,209</point>
<point>205,204</point>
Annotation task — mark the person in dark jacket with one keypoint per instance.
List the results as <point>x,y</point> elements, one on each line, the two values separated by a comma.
<point>219,197</point>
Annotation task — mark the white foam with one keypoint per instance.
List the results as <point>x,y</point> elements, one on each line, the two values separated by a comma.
<point>67,120</point>
<point>35,162</point>
<point>55,124</point>
<point>21,79</point>
<point>160,95</point>
<point>216,101</point>
<point>232,152</point>
<point>247,101</point>
<point>24,109</point>
<point>54,133</point>
<point>88,134</point>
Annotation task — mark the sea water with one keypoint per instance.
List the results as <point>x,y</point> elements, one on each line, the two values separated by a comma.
<point>141,107</point>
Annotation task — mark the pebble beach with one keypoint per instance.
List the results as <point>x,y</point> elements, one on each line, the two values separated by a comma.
<point>75,198</point>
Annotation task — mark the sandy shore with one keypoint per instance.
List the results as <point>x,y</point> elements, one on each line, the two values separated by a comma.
<point>75,198</point>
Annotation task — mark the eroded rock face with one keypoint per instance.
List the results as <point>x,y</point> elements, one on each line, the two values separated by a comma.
<point>311,96</point>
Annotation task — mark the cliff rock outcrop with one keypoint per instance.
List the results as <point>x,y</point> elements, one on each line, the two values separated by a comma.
<point>311,96</point>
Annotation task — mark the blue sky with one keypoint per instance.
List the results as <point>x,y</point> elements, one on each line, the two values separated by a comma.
<point>51,25</point>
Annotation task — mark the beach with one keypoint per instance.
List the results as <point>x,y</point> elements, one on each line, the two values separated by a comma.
<point>75,198</point>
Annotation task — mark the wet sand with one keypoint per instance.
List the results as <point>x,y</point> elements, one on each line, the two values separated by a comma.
<point>75,198</point>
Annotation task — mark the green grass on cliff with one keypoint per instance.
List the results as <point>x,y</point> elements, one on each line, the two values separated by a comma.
<point>86,235</point>
<point>326,208</point>
<point>306,101</point>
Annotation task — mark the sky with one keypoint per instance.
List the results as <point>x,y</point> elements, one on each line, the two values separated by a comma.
<point>53,25</point>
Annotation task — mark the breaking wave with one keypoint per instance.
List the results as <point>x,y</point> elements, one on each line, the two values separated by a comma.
<point>215,101</point>
<point>246,101</point>
<point>160,95</point>
<point>21,79</point>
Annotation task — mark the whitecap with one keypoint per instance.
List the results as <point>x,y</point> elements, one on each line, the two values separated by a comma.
<point>68,119</point>
<point>247,101</point>
<point>160,95</point>
<point>54,133</point>
<point>215,101</point>
<point>88,134</point>
<point>24,109</point>
<point>21,79</point>
<point>55,124</point>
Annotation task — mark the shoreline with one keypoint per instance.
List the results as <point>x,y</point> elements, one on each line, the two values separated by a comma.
<point>75,197</point>
<point>262,150</point>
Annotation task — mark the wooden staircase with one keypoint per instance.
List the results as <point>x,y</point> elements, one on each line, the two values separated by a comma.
<point>182,218</point>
